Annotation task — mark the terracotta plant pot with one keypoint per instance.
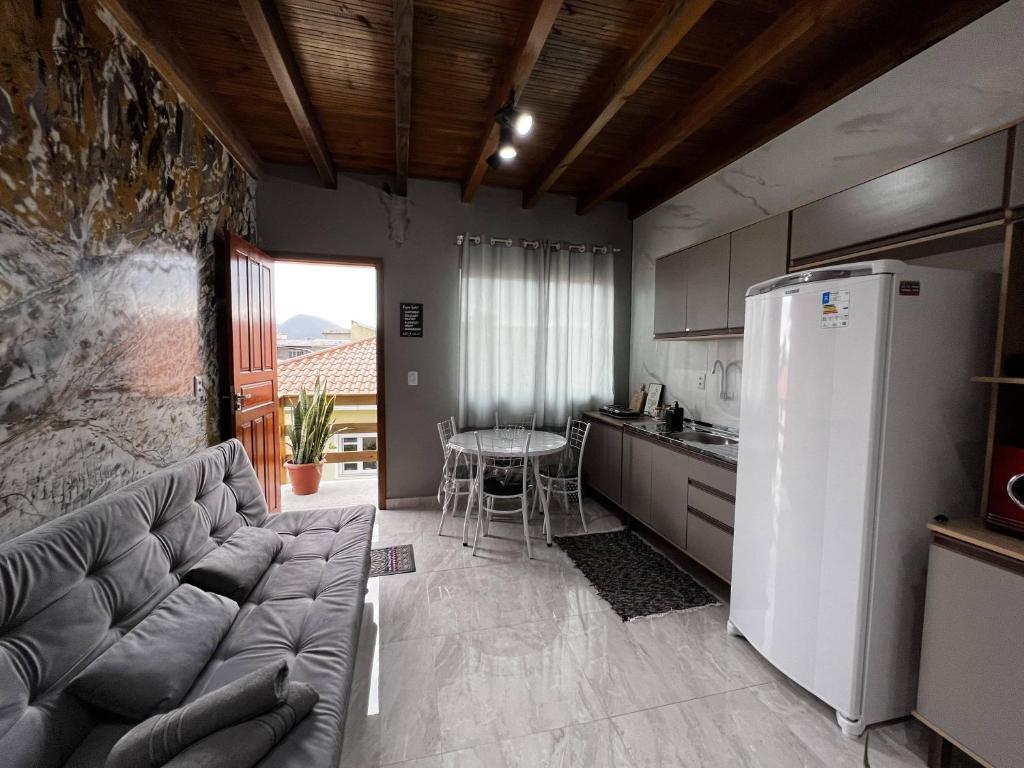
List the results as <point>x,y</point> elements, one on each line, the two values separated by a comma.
<point>305,478</point>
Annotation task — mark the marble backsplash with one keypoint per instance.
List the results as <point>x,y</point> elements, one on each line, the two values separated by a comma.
<point>111,196</point>
<point>677,364</point>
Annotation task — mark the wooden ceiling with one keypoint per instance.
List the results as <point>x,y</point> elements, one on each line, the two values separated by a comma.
<point>633,100</point>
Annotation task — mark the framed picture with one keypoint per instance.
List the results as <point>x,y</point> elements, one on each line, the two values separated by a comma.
<point>653,397</point>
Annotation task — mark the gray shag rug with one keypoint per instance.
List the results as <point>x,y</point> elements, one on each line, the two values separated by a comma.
<point>631,576</point>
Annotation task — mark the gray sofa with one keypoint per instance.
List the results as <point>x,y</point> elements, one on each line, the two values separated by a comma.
<point>71,588</point>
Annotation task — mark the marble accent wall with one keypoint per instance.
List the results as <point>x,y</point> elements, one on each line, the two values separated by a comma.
<point>111,195</point>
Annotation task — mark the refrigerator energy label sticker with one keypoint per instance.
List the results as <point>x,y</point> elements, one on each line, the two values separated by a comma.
<point>835,309</point>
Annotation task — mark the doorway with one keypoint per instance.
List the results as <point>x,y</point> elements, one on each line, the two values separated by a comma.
<point>330,327</point>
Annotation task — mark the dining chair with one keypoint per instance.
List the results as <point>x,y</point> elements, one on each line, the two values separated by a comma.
<point>456,473</point>
<point>528,421</point>
<point>504,479</point>
<point>565,477</point>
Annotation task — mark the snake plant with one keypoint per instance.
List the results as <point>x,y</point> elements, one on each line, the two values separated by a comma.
<point>311,425</point>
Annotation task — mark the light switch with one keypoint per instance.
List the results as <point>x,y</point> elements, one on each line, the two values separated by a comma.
<point>413,378</point>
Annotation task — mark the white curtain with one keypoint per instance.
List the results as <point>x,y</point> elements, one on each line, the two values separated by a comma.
<point>536,332</point>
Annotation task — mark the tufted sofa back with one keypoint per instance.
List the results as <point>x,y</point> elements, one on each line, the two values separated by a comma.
<point>71,588</point>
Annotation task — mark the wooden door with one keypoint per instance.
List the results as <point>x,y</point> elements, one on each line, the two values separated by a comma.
<point>253,362</point>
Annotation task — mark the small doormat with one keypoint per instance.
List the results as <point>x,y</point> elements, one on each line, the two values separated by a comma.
<point>388,561</point>
<point>631,576</point>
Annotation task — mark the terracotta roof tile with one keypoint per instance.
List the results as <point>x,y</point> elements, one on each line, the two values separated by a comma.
<point>349,369</point>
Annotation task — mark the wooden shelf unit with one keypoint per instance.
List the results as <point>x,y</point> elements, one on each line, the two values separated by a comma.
<point>1005,425</point>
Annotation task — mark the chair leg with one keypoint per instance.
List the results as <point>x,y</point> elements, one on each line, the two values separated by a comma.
<point>479,524</point>
<point>579,500</point>
<point>444,505</point>
<point>526,529</point>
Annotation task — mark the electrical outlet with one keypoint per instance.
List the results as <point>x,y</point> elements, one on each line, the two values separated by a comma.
<point>199,388</point>
<point>702,380</point>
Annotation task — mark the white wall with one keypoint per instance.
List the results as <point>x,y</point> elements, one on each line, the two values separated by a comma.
<point>968,85</point>
<point>416,240</point>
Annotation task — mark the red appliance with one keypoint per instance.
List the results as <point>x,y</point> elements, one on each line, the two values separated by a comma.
<point>1003,512</point>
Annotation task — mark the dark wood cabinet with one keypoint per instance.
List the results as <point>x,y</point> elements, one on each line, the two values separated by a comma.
<point>757,253</point>
<point>669,474</point>
<point>636,469</point>
<point>956,186</point>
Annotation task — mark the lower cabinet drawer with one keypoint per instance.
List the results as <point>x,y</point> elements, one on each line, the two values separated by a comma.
<point>711,505</point>
<point>709,545</point>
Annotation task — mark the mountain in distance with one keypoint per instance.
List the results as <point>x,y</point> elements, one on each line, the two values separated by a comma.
<point>305,327</point>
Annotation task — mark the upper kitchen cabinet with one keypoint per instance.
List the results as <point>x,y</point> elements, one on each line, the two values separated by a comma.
<point>759,253</point>
<point>670,293</point>
<point>1017,180</point>
<point>958,185</point>
<point>691,289</point>
<point>707,280</point>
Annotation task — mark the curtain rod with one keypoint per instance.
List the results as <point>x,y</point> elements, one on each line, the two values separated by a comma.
<point>554,245</point>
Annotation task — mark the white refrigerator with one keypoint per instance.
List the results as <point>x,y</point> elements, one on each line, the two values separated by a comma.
<point>859,424</point>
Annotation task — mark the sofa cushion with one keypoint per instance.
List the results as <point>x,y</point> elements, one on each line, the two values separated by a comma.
<point>307,608</point>
<point>155,741</point>
<point>243,744</point>
<point>233,568</point>
<point>152,667</point>
<point>73,587</point>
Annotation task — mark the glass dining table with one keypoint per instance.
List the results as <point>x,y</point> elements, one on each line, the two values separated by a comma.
<point>496,443</point>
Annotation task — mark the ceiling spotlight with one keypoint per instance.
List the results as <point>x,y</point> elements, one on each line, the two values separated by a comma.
<point>506,149</point>
<point>522,122</point>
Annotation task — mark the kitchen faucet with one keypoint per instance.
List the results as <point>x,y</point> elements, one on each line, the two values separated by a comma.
<point>723,390</point>
<point>718,366</point>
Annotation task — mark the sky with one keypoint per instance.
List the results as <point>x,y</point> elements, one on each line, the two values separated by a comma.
<point>340,294</point>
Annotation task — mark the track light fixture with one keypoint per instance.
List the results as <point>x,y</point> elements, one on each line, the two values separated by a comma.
<point>511,121</point>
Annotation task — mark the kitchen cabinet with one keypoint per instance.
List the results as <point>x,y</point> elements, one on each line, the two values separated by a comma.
<point>971,676</point>
<point>707,285</point>
<point>670,293</point>
<point>669,475</point>
<point>1017,178</point>
<point>636,468</point>
<point>960,184</point>
<point>602,460</point>
<point>757,253</point>
<point>709,545</point>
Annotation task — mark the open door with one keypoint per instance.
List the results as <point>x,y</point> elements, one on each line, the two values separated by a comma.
<point>252,358</point>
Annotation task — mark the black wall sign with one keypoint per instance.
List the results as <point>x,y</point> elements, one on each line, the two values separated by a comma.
<point>411,320</point>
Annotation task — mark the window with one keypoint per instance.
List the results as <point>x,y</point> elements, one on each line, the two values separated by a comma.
<point>369,465</point>
<point>370,444</point>
<point>351,466</point>
<point>350,444</point>
<point>536,332</point>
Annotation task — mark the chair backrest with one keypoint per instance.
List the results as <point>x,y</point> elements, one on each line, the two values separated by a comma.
<point>576,433</point>
<point>446,430</point>
<point>515,442</point>
<point>528,421</point>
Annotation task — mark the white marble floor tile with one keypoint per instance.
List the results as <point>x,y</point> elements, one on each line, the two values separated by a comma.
<point>499,662</point>
<point>507,682</point>
<point>584,746</point>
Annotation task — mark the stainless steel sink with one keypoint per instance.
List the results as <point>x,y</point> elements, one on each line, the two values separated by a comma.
<point>706,438</point>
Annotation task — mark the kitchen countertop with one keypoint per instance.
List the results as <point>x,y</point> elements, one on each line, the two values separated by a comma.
<point>972,530</point>
<point>646,426</point>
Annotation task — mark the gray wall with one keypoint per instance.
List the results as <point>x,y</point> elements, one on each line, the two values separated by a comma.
<point>416,239</point>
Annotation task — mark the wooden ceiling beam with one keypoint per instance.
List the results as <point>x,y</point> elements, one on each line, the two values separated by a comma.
<point>922,32</point>
<point>658,41</point>
<point>794,28</point>
<point>172,63</point>
<point>540,18</point>
<point>266,25</point>
<point>403,92</point>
